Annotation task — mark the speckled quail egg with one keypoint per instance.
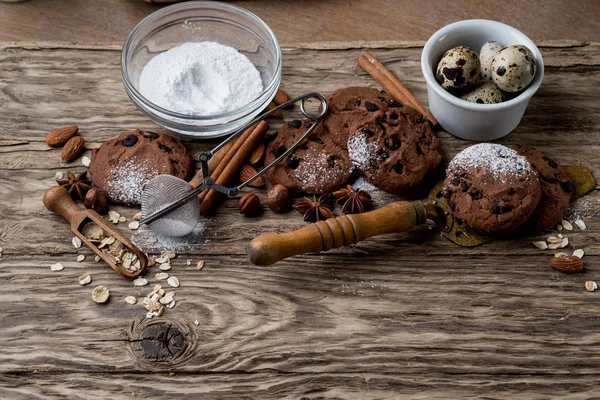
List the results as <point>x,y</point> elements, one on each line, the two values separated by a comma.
<point>458,69</point>
<point>485,92</point>
<point>513,68</point>
<point>486,54</point>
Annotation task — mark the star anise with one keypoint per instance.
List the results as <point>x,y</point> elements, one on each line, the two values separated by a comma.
<point>353,201</point>
<point>316,209</point>
<point>77,186</point>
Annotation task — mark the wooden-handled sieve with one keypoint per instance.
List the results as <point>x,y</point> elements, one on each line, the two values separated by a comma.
<point>396,217</point>
<point>58,200</point>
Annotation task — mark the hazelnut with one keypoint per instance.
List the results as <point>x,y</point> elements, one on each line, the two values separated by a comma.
<point>95,199</point>
<point>279,198</point>
<point>249,205</point>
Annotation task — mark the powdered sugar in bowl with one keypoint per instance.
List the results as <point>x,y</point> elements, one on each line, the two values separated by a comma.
<point>211,90</point>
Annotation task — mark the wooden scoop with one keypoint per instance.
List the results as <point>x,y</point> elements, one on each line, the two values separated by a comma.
<point>396,217</point>
<point>58,200</point>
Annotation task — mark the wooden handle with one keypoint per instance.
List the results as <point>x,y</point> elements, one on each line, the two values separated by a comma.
<point>336,232</point>
<point>57,199</point>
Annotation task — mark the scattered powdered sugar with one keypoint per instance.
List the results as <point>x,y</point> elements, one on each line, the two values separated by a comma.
<point>128,180</point>
<point>360,150</point>
<point>315,170</point>
<point>501,161</point>
<point>151,241</point>
<point>200,78</point>
<point>379,196</point>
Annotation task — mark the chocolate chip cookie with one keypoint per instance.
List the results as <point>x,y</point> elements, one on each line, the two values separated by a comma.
<point>397,152</point>
<point>557,189</point>
<point>319,165</point>
<point>491,188</point>
<point>123,165</point>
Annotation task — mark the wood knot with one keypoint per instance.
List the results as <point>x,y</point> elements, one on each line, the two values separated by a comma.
<point>162,341</point>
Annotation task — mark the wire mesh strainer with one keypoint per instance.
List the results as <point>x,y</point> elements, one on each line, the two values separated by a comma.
<point>170,205</point>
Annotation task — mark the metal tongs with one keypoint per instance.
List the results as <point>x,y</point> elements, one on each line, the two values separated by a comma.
<point>170,205</point>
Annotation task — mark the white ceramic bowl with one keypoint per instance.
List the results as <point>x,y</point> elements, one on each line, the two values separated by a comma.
<point>472,121</point>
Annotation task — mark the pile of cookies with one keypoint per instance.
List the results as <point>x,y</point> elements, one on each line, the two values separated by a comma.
<point>496,189</point>
<point>366,132</point>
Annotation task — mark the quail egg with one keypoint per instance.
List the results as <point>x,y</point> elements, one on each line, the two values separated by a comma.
<point>486,54</point>
<point>458,69</point>
<point>513,68</point>
<point>485,92</point>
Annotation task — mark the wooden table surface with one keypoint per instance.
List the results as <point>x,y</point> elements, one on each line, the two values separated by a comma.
<point>295,21</point>
<point>409,315</point>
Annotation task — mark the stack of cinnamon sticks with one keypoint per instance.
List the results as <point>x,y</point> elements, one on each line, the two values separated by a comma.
<point>227,162</point>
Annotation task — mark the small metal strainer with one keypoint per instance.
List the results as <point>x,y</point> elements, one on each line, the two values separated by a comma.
<point>170,205</point>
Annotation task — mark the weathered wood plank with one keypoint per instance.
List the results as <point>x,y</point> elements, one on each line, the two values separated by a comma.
<point>399,314</point>
<point>268,385</point>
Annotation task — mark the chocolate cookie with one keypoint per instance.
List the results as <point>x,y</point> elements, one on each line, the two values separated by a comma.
<point>556,190</point>
<point>319,165</point>
<point>396,152</point>
<point>491,188</point>
<point>122,166</point>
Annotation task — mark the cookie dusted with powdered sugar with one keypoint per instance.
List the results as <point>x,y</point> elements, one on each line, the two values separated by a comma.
<point>397,152</point>
<point>319,165</point>
<point>491,188</point>
<point>123,165</point>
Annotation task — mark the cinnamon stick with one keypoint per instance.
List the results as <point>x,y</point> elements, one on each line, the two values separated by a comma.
<point>229,169</point>
<point>391,84</point>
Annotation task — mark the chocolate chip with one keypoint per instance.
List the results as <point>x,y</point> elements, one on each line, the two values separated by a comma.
<point>465,186</point>
<point>130,140</point>
<point>367,131</point>
<point>331,162</point>
<point>164,148</point>
<point>382,154</point>
<point>373,163</point>
<point>476,195</point>
<point>315,140</point>
<point>150,135</point>
<point>567,186</point>
<point>420,151</point>
<point>550,162</point>
<point>500,208</point>
<point>357,102</point>
<point>452,205</point>
<point>512,192</point>
<point>501,71</point>
<point>279,151</point>
<point>393,142</point>
<point>393,116</point>
<point>398,167</point>
<point>371,107</point>
<point>455,180</point>
<point>293,161</point>
<point>394,103</point>
<point>296,123</point>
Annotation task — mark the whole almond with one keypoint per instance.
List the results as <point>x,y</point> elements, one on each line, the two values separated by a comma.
<point>567,263</point>
<point>248,172</point>
<point>281,97</point>
<point>276,114</point>
<point>249,205</point>
<point>72,149</point>
<point>257,155</point>
<point>60,136</point>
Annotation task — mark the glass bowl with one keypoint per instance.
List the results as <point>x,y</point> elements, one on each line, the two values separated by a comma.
<point>198,21</point>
